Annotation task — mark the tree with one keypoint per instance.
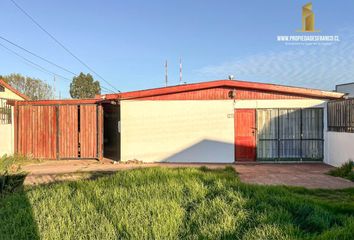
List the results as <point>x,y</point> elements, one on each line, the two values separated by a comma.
<point>34,88</point>
<point>84,86</point>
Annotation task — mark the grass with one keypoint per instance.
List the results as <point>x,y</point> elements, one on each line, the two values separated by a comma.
<point>344,171</point>
<point>11,175</point>
<point>184,203</point>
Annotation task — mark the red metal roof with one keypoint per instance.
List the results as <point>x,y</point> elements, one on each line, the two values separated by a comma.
<point>8,86</point>
<point>306,92</point>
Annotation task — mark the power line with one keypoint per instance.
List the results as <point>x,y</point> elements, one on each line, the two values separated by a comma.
<point>36,55</point>
<point>60,44</point>
<point>33,63</point>
<point>42,58</point>
<point>39,67</point>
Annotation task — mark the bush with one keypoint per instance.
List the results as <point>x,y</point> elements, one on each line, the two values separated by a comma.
<point>344,171</point>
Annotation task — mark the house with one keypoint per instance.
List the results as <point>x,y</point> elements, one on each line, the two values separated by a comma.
<point>8,95</point>
<point>347,88</point>
<point>222,122</point>
<point>217,122</point>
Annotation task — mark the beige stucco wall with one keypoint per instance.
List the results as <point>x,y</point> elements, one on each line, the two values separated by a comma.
<point>177,131</point>
<point>8,94</point>
<point>7,138</point>
<point>7,130</point>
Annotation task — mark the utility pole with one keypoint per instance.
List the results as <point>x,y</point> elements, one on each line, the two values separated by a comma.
<point>55,95</point>
<point>166,74</point>
<point>180,70</point>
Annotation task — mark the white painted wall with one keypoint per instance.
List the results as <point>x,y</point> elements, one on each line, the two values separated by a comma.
<point>7,137</point>
<point>340,146</point>
<point>191,131</point>
<point>177,131</point>
<point>281,103</point>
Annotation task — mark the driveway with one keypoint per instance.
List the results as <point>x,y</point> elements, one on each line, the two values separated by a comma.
<point>302,175</point>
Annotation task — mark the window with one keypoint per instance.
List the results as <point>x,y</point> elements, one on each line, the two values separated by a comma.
<point>341,116</point>
<point>5,112</point>
<point>2,88</point>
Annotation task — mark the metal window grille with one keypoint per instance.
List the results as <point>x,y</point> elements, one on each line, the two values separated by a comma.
<point>5,112</point>
<point>341,116</point>
<point>290,134</point>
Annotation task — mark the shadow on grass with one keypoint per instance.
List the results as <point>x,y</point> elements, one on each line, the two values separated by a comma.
<point>16,215</point>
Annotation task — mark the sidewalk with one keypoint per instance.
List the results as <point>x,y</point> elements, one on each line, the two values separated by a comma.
<point>303,175</point>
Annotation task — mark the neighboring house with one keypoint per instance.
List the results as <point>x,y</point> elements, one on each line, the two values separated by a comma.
<point>7,96</point>
<point>218,122</point>
<point>346,88</point>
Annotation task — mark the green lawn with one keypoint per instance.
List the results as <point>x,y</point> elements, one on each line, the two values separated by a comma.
<point>159,203</point>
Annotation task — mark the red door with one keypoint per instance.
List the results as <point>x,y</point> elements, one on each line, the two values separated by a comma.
<point>245,135</point>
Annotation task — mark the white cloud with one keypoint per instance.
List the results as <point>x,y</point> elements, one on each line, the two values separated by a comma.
<point>308,66</point>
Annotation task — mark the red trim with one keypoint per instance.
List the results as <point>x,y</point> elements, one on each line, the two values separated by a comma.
<point>59,102</point>
<point>8,86</point>
<point>307,92</point>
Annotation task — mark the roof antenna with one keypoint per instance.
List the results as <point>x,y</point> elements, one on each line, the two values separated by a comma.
<point>166,74</point>
<point>180,70</point>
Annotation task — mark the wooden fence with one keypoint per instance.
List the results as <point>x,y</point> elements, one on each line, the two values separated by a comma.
<point>59,131</point>
<point>341,116</point>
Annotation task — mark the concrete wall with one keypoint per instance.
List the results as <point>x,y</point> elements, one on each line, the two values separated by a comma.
<point>7,137</point>
<point>340,147</point>
<point>177,131</point>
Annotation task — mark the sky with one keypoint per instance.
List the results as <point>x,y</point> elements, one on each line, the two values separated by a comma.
<point>127,42</point>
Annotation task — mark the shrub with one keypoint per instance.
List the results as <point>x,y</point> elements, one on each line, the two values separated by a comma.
<point>344,171</point>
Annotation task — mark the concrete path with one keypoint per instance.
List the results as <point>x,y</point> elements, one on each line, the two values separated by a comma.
<point>303,175</point>
<point>308,175</point>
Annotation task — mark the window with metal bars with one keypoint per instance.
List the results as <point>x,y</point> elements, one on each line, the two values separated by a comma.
<point>5,112</point>
<point>341,116</point>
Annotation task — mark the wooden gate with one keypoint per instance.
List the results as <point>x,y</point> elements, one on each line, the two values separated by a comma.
<point>68,132</point>
<point>61,131</point>
<point>37,131</point>
<point>88,131</point>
